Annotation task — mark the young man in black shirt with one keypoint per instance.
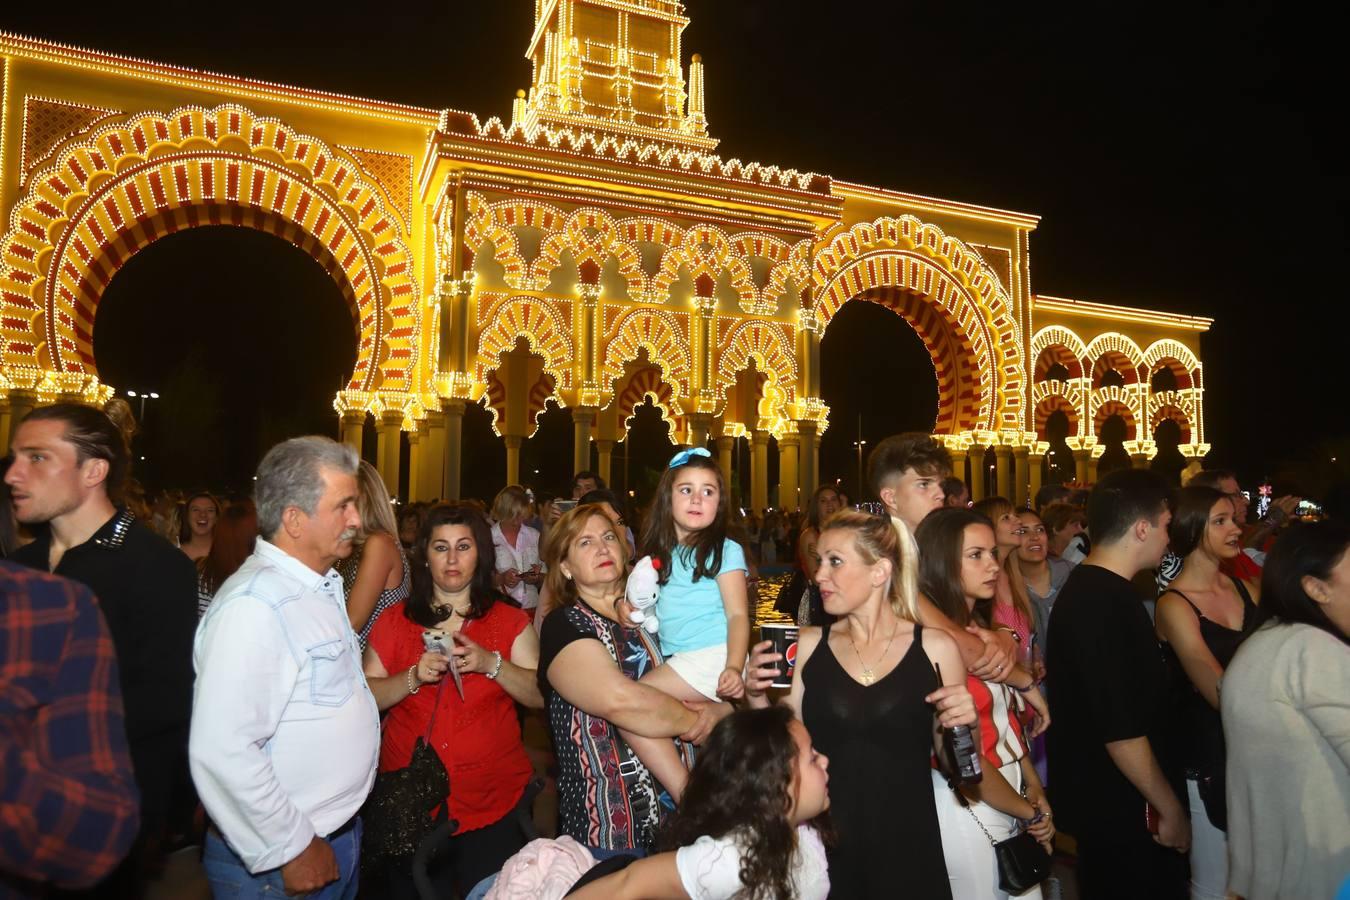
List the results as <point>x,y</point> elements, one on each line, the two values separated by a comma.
<point>70,462</point>
<point>1109,695</point>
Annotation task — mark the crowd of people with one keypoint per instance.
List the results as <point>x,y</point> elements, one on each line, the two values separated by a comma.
<point>328,692</point>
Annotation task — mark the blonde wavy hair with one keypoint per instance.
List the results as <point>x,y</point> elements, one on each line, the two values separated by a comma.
<point>876,538</point>
<point>377,510</point>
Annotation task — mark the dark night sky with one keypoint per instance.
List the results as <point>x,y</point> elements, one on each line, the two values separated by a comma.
<point>1181,155</point>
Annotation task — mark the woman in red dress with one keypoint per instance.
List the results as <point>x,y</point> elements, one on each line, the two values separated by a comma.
<point>477,735</point>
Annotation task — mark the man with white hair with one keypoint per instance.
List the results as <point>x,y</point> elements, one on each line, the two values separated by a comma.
<point>285,733</point>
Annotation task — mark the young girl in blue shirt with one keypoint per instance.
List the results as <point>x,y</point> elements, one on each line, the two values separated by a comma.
<point>703,613</point>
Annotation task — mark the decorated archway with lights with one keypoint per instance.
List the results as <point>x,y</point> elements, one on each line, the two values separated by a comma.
<point>592,253</point>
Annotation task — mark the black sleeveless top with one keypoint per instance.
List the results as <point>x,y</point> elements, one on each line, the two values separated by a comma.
<point>1199,728</point>
<point>879,740</point>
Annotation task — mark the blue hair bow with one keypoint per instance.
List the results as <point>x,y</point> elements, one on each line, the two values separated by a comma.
<point>683,457</point>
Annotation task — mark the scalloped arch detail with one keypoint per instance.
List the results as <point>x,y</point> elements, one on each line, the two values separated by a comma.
<point>1175,356</point>
<point>590,235</point>
<point>705,251</point>
<point>769,347</point>
<point>1057,344</point>
<point>1115,400</point>
<point>542,328</point>
<point>1114,350</point>
<point>1049,397</point>
<point>649,382</point>
<point>660,334</point>
<point>111,193</point>
<point>1169,412</point>
<point>913,256</point>
<point>493,222</point>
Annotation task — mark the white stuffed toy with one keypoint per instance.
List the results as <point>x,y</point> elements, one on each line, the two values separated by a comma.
<point>643,589</point>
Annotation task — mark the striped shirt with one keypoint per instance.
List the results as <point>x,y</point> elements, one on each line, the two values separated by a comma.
<point>997,706</point>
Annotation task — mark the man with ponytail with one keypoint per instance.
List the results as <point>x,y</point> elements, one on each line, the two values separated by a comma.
<point>905,472</point>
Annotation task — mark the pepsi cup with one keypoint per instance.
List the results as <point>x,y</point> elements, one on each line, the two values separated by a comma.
<point>784,640</point>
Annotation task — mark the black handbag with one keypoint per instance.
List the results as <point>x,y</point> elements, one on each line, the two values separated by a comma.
<point>406,804</point>
<point>1213,787</point>
<point>1022,861</point>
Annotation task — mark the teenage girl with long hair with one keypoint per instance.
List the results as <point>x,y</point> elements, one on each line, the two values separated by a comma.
<point>703,613</point>
<point>959,571</point>
<point>752,827</point>
<point>1202,619</point>
<point>1012,607</point>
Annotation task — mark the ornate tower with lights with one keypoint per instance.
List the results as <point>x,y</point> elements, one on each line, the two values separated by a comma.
<point>614,66</point>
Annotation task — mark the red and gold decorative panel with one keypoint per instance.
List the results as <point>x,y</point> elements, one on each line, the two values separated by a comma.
<point>49,123</point>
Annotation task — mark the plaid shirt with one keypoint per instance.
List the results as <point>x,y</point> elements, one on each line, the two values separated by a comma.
<point>68,800</point>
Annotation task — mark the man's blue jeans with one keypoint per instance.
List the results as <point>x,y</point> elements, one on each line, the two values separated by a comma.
<point>228,877</point>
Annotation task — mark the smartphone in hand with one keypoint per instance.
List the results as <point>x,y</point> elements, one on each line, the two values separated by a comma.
<point>441,642</point>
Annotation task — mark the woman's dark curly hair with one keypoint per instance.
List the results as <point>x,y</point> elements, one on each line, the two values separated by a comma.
<point>482,594</point>
<point>743,781</point>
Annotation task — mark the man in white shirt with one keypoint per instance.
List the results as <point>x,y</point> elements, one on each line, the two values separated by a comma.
<point>285,733</point>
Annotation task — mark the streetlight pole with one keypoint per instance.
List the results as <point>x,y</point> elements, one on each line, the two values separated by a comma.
<point>142,396</point>
<point>860,443</point>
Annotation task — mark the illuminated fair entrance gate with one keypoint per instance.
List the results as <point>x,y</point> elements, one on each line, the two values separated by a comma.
<point>593,253</point>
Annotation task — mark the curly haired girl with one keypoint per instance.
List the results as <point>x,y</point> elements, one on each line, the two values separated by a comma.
<point>748,825</point>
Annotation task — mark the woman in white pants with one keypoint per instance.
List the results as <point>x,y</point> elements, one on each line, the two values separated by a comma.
<point>959,572</point>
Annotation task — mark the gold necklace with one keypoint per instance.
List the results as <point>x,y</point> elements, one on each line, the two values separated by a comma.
<point>868,676</point>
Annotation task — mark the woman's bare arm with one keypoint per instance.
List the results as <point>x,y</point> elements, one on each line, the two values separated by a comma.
<point>379,560</point>
<point>585,675</point>
<point>653,878</point>
<point>1178,626</point>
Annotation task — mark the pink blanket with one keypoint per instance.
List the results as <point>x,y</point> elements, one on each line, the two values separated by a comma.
<point>544,869</point>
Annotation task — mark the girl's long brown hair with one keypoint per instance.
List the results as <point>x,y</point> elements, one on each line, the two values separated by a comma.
<point>659,539</point>
<point>942,536</point>
<point>742,784</point>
